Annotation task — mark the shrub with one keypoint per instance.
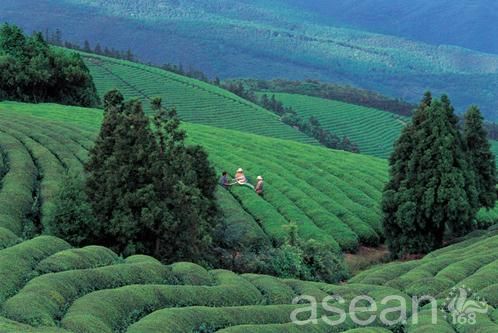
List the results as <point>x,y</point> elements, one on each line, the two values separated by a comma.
<point>7,238</point>
<point>17,262</point>
<point>87,257</point>
<point>45,298</point>
<point>115,309</point>
<point>16,198</point>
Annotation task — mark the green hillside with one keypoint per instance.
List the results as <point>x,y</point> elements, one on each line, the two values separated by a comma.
<point>374,131</point>
<point>279,39</point>
<point>333,196</point>
<point>196,101</point>
<point>49,287</point>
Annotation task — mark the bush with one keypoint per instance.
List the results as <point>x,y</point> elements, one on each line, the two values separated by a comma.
<point>16,197</point>
<point>45,298</point>
<point>7,238</point>
<point>17,262</point>
<point>87,257</point>
<point>114,309</point>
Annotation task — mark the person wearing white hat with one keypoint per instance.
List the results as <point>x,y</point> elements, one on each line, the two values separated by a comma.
<point>240,178</point>
<point>260,186</point>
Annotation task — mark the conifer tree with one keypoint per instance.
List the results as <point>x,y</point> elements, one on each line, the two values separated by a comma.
<point>119,179</point>
<point>149,191</point>
<point>482,159</point>
<point>432,188</point>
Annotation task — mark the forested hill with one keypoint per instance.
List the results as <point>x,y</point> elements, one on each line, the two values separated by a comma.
<point>268,39</point>
<point>465,23</point>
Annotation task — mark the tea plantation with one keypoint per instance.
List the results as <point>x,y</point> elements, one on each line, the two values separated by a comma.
<point>47,286</point>
<point>374,131</point>
<point>196,101</point>
<point>333,196</point>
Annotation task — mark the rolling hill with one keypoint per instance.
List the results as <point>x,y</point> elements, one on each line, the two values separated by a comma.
<point>332,196</point>
<point>268,39</point>
<point>194,100</point>
<point>374,131</point>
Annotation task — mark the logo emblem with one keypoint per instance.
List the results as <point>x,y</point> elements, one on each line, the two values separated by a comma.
<point>462,306</point>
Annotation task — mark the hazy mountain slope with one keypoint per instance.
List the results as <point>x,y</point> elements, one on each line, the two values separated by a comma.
<point>267,40</point>
<point>470,24</point>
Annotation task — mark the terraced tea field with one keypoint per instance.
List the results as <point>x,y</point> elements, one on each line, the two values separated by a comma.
<point>49,287</point>
<point>332,196</point>
<point>374,131</point>
<point>196,101</point>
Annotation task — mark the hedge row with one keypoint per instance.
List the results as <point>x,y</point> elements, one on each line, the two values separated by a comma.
<point>45,298</point>
<point>274,290</point>
<point>64,149</point>
<point>276,210</point>
<point>424,323</point>
<point>469,263</point>
<point>7,238</point>
<point>87,257</point>
<point>297,194</point>
<point>17,262</point>
<point>114,309</point>
<point>50,170</point>
<point>212,105</point>
<point>16,198</point>
<point>9,326</point>
<point>241,230</point>
<point>194,319</point>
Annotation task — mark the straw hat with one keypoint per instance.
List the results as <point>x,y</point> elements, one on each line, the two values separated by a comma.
<point>240,170</point>
<point>259,178</point>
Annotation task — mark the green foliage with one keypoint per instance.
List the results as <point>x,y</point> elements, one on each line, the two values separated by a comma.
<point>432,186</point>
<point>334,92</point>
<point>33,72</point>
<point>373,130</point>
<point>7,238</point>
<point>142,295</point>
<point>87,257</point>
<point>332,196</point>
<point>45,298</point>
<point>149,191</point>
<point>481,158</point>
<point>211,106</point>
<point>16,198</point>
<point>311,127</point>
<point>73,216</point>
<point>17,262</point>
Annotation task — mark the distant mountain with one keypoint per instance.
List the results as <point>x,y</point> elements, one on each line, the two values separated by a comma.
<point>270,39</point>
<point>467,23</point>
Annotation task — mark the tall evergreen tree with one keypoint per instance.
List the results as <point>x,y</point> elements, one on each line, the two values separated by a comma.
<point>149,191</point>
<point>119,180</point>
<point>431,189</point>
<point>482,159</point>
<point>188,186</point>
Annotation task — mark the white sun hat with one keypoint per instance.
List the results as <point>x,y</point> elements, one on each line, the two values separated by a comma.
<point>259,178</point>
<point>240,170</point>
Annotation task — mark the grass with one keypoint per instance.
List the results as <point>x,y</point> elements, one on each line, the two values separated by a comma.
<point>333,196</point>
<point>374,131</point>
